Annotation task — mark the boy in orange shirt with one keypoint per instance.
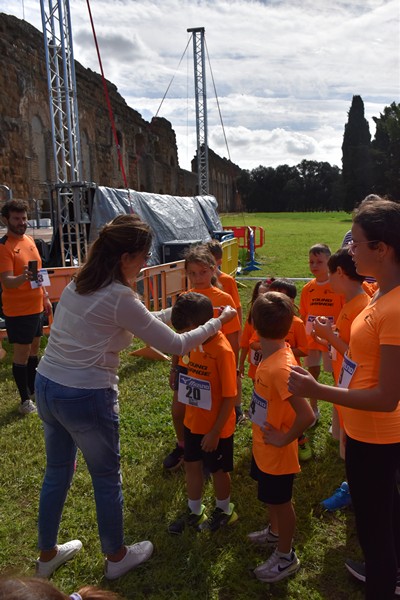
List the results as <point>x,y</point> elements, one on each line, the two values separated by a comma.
<point>278,420</point>
<point>318,299</point>
<point>207,388</point>
<point>297,340</point>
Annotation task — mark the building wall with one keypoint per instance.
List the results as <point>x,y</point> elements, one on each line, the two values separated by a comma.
<point>148,149</point>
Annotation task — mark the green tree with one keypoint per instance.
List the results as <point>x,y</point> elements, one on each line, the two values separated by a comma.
<point>356,156</point>
<point>386,152</point>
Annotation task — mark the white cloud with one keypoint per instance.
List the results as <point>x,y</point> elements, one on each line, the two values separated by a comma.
<point>285,70</point>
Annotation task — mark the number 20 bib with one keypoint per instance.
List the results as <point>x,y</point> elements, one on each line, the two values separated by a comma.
<point>194,392</point>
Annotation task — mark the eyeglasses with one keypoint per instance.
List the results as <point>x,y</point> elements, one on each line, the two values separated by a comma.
<point>352,244</point>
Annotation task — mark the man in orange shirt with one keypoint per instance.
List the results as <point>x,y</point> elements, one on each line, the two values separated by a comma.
<point>207,389</point>
<point>23,304</point>
<point>279,418</point>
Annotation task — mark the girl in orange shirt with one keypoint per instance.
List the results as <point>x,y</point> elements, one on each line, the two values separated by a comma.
<point>368,394</point>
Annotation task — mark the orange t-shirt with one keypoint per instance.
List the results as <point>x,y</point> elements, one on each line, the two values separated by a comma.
<point>297,337</point>
<point>211,377</point>
<point>15,253</point>
<point>220,298</point>
<point>271,384</point>
<point>318,299</point>
<point>378,324</point>
<point>343,325</point>
<point>370,287</point>
<point>253,358</point>
<point>229,286</point>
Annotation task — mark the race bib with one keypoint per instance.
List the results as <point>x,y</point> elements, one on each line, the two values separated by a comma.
<point>194,392</point>
<point>346,374</point>
<point>258,410</point>
<point>42,279</point>
<point>255,357</point>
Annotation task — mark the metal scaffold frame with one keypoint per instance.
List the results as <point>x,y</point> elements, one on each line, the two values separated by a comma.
<point>201,108</point>
<point>71,205</point>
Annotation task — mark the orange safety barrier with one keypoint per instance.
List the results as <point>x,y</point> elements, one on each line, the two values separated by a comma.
<point>242,234</point>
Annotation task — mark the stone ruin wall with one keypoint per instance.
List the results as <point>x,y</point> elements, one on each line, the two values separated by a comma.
<point>148,149</point>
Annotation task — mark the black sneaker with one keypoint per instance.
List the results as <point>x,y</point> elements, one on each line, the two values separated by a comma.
<point>174,460</point>
<point>189,519</point>
<point>357,569</point>
<point>219,518</point>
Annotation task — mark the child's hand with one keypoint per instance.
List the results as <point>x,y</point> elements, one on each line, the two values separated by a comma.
<point>210,441</point>
<point>301,383</point>
<point>241,371</point>
<point>322,327</point>
<point>273,436</point>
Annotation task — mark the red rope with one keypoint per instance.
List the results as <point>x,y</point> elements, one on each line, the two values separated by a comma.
<point>110,112</point>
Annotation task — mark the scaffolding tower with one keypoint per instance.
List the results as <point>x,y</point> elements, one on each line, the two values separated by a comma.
<point>201,108</point>
<point>69,192</point>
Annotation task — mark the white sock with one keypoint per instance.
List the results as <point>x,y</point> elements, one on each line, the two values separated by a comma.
<point>224,505</point>
<point>195,506</point>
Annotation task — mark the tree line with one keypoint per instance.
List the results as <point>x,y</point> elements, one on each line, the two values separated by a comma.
<point>368,166</point>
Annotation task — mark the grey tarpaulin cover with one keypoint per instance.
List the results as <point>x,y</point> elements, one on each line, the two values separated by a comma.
<point>170,217</point>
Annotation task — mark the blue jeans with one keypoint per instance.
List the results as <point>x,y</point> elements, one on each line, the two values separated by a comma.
<point>86,419</point>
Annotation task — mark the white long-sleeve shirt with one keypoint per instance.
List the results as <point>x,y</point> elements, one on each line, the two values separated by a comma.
<point>89,331</point>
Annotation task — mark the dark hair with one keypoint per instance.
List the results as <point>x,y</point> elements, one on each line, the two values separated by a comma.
<point>215,247</point>
<point>125,233</point>
<point>272,315</point>
<point>191,310</point>
<point>33,588</point>
<point>320,249</point>
<point>255,293</point>
<point>284,285</point>
<point>342,259</point>
<point>13,206</point>
<point>380,220</point>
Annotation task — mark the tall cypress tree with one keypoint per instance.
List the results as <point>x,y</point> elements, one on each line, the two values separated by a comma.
<point>356,156</point>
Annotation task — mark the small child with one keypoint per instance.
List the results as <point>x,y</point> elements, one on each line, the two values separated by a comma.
<point>297,340</point>
<point>207,388</point>
<point>344,280</point>
<point>318,299</point>
<point>200,269</point>
<point>227,282</point>
<point>253,355</point>
<point>278,420</point>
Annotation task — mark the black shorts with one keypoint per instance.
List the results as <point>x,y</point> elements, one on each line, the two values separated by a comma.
<point>220,459</point>
<point>272,489</point>
<point>22,330</point>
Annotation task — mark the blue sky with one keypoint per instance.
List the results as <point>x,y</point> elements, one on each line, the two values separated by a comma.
<point>285,70</point>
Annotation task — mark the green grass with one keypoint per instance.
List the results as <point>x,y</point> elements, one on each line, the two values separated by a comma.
<point>199,567</point>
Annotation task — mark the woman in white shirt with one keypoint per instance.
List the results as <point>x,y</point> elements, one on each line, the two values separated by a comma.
<point>76,388</point>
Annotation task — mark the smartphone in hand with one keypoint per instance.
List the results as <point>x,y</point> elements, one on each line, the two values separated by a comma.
<point>33,268</point>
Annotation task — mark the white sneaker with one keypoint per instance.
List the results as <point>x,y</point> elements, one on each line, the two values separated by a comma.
<point>264,536</point>
<point>277,567</point>
<point>64,553</point>
<point>135,555</point>
<point>27,407</point>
